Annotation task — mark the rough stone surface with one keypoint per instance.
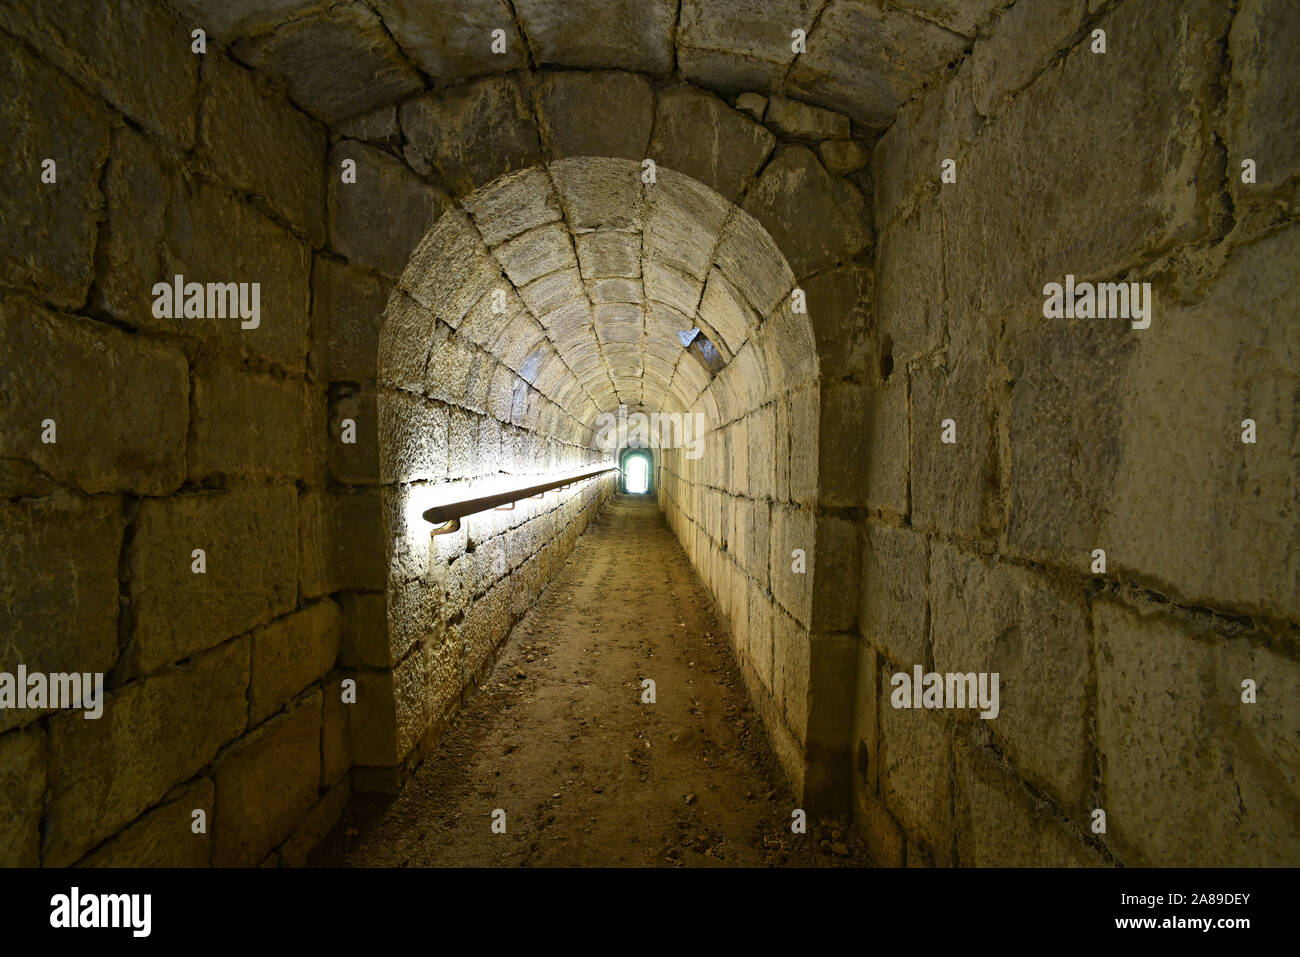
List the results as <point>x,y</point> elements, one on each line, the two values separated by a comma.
<point>250,537</point>
<point>289,654</point>
<point>1177,744</point>
<point>279,149</point>
<point>60,616</point>
<point>159,730</point>
<point>22,786</point>
<point>377,220</point>
<point>448,39</point>
<point>1264,127</point>
<point>817,220</point>
<point>119,403</point>
<point>699,135</point>
<point>336,64</point>
<point>805,122</point>
<point>163,837</point>
<point>265,784</point>
<point>474,133</point>
<point>593,34</point>
<point>601,113</point>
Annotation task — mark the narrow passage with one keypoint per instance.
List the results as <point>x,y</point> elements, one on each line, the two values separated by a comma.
<point>587,774</point>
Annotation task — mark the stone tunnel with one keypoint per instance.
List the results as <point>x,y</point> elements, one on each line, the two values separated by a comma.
<point>971,326</point>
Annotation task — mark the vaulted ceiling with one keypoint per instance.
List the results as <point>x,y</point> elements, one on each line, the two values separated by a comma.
<point>343,59</point>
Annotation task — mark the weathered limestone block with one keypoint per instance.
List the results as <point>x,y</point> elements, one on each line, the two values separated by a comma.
<point>1191,775</point>
<point>256,142</point>
<point>141,183</point>
<point>805,414</point>
<point>754,263</point>
<point>836,578</point>
<point>413,615</point>
<point>472,134</point>
<point>247,425</point>
<point>1022,42</point>
<point>1161,479</point>
<point>164,837</point>
<point>289,654</point>
<point>378,220</point>
<point>135,54</point>
<point>22,788</point>
<point>1152,92</point>
<point>514,204</point>
<point>846,467</point>
<point>831,692</point>
<point>58,587</point>
<point>605,113</point>
<point>910,297</point>
<point>1000,825</point>
<point>160,731</point>
<point>839,311</point>
<point>336,735</point>
<point>914,770</point>
<point>1263,44</point>
<point>697,134</point>
<point>412,439</point>
<point>365,630</point>
<point>536,253</point>
<point>249,536</point>
<point>47,230</point>
<point>806,122</point>
<point>909,154</point>
<point>353,463</point>
<point>232,19</point>
<point>865,61</point>
<point>315,826</point>
<point>758,637</point>
<point>600,192</point>
<point>119,403</point>
<point>988,617</point>
<point>266,782</point>
<point>793,529</point>
<point>739,45</point>
<point>449,39</point>
<point>841,157</point>
<point>594,34</point>
<point>953,484</point>
<point>815,219</point>
<point>347,309</point>
<point>891,613</point>
<point>208,237</point>
<point>486,624</point>
<point>380,128</point>
<point>354,539</point>
<point>335,64</point>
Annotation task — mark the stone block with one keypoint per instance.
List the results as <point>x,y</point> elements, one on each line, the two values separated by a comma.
<point>697,134</point>
<point>159,731</point>
<point>119,403</point>
<point>336,64</point>
<point>915,771</point>
<point>256,142</point>
<point>450,39</point>
<point>347,310</point>
<point>378,220</point>
<point>893,601</point>
<point>1191,775</point>
<point>48,230</point>
<point>249,536</point>
<point>289,654</point>
<point>472,134</point>
<point>602,113</point>
<point>990,617</point>
<point>59,613</point>
<point>22,791</point>
<point>247,425</point>
<point>631,35</point>
<point>164,837</point>
<point>265,784</point>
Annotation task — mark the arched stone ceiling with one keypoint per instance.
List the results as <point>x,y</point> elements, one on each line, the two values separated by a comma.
<point>339,60</point>
<point>579,278</point>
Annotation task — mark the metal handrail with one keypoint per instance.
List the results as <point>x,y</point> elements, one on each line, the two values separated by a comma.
<point>446,518</point>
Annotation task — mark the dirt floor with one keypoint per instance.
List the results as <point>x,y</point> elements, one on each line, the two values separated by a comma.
<point>587,774</point>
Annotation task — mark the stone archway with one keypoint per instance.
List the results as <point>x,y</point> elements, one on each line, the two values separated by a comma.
<point>538,303</point>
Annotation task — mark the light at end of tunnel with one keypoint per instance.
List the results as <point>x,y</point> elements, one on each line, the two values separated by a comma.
<point>638,475</point>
